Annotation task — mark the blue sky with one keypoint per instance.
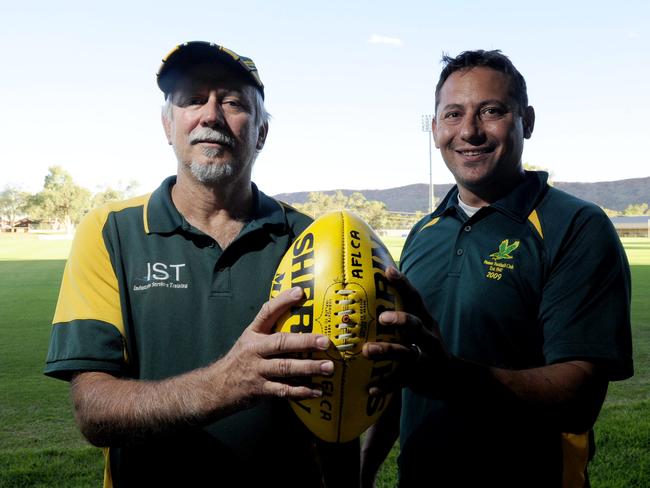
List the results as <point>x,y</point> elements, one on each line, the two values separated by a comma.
<point>346,83</point>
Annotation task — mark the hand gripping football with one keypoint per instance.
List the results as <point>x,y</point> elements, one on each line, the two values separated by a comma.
<point>340,263</point>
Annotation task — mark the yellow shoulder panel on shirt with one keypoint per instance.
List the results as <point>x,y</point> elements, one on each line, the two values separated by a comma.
<point>89,289</point>
<point>429,224</point>
<point>534,219</point>
<point>122,204</point>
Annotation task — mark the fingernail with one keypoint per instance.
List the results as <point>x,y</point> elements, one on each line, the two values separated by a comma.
<point>323,342</point>
<point>317,393</point>
<point>296,292</point>
<point>387,317</point>
<point>374,391</point>
<point>327,367</point>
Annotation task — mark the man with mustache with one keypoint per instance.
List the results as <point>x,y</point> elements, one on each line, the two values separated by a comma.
<point>163,325</point>
<point>525,309</point>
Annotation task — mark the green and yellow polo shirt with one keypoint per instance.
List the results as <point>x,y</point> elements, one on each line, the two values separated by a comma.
<point>536,278</point>
<point>147,296</point>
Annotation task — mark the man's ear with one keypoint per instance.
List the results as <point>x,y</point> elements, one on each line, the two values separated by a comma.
<point>529,121</point>
<point>434,126</point>
<point>262,132</point>
<point>167,125</point>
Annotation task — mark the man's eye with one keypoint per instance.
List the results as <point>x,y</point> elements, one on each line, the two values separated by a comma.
<point>492,112</point>
<point>452,115</point>
<point>189,101</point>
<point>232,103</point>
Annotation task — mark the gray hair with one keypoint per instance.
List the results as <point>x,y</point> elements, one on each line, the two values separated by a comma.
<point>261,116</point>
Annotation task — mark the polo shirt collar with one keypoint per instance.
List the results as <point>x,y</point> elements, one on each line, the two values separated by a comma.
<point>522,200</point>
<point>268,214</point>
<point>162,217</point>
<point>448,204</point>
<point>518,204</point>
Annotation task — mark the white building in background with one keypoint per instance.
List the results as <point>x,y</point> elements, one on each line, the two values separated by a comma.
<point>632,225</point>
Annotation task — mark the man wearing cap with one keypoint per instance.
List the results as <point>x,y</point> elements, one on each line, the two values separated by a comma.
<point>162,323</point>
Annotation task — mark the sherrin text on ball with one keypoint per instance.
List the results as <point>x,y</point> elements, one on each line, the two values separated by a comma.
<point>340,263</point>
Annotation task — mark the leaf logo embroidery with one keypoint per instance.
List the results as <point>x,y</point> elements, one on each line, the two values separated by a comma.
<point>505,248</point>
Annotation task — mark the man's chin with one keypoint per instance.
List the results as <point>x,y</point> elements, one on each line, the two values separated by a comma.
<point>473,179</point>
<point>212,173</point>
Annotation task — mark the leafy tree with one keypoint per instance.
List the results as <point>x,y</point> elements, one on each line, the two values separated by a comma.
<point>106,195</point>
<point>110,194</point>
<point>636,209</point>
<point>321,203</point>
<point>61,200</point>
<point>13,202</point>
<point>372,211</point>
<point>611,213</point>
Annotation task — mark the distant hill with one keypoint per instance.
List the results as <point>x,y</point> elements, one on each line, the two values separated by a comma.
<point>615,195</point>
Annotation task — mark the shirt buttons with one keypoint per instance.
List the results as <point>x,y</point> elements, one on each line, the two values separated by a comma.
<point>467,228</point>
<point>459,252</point>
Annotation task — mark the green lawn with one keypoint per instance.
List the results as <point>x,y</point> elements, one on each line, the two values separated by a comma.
<point>40,445</point>
<point>623,428</point>
<point>394,245</point>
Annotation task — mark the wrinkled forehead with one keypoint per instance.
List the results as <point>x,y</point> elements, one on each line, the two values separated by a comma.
<point>206,77</point>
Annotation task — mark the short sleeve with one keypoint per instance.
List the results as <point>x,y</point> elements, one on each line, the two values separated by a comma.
<point>87,329</point>
<point>585,308</point>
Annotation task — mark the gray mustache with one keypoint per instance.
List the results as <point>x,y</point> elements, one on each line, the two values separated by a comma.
<point>206,134</point>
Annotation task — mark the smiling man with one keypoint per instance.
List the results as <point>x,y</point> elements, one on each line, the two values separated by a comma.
<point>480,129</point>
<point>524,316</point>
<point>163,325</point>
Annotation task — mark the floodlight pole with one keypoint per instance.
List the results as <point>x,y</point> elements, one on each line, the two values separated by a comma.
<point>426,127</point>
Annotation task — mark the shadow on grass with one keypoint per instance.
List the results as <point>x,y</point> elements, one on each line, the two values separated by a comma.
<point>48,468</point>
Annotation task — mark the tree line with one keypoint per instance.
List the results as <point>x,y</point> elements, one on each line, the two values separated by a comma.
<point>633,209</point>
<point>61,203</point>
<point>373,212</point>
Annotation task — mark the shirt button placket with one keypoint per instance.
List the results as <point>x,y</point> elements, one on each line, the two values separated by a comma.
<point>460,248</point>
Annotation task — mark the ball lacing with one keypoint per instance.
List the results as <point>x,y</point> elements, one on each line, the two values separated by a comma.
<point>347,322</point>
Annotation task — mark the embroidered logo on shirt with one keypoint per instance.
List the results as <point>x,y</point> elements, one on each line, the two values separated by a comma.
<point>505,248</point>
<point>497,264</point>
<point>162,275</point>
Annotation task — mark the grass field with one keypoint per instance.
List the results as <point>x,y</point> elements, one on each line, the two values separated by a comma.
<point>41,447</point>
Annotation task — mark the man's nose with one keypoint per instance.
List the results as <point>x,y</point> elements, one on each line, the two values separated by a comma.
<point>211,113</point>
<point>471,130</point>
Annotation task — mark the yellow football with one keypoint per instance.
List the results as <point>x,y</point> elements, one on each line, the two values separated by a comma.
<point>341,265</point>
